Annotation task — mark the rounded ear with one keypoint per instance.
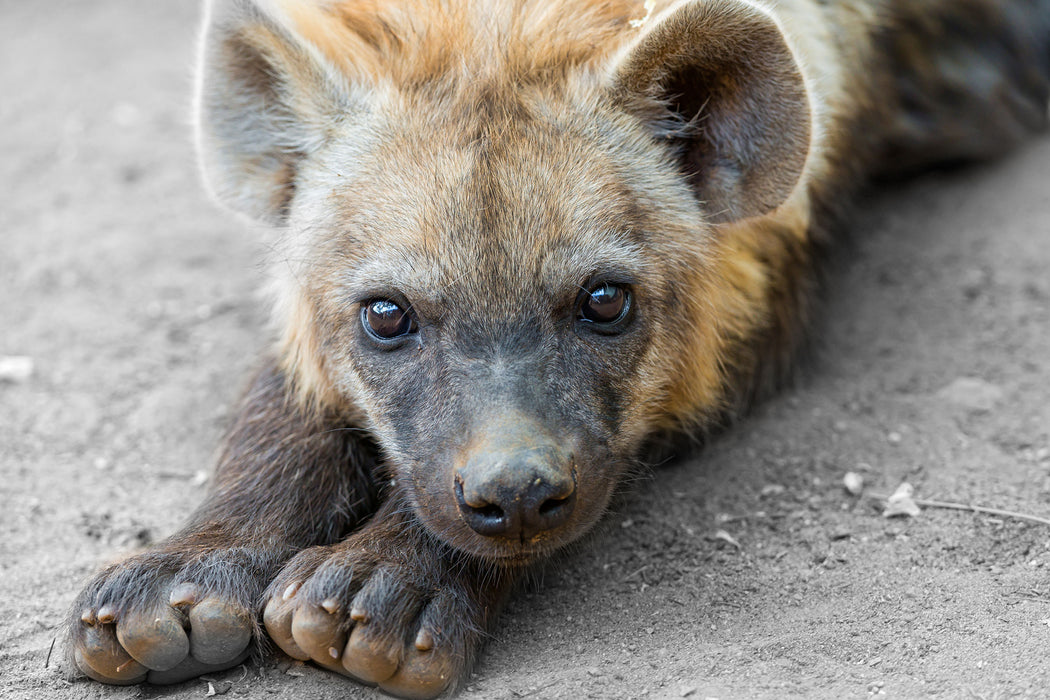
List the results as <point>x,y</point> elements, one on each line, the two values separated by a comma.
<point>266,99</point>
<point>717,79</point>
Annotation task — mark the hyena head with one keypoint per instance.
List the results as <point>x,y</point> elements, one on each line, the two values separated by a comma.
<point>500,222</point>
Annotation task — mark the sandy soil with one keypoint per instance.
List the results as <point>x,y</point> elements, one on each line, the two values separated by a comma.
<point>134,298</point>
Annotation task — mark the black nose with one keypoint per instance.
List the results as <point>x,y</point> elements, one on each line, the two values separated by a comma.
<point>517,495</point>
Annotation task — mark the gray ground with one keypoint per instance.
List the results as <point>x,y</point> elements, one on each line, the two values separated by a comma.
<point>134,298</point>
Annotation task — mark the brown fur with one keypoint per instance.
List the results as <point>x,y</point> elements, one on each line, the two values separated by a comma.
<point>487,166</point>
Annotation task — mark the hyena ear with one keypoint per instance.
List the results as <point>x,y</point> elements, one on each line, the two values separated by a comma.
<point>266,100</point>
<point>718,80</point>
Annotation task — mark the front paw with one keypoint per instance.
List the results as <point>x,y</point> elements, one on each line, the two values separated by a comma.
<point>164,617</point>
<point>407,623</point>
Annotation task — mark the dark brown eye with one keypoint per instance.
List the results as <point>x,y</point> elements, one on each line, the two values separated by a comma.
<point>606,304</point>
<point>386,320</point>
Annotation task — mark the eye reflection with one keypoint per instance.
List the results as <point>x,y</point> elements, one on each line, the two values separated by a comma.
<point>386,320</point>
<point>605,303</point>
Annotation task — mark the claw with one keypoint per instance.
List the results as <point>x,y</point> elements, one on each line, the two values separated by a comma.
<point>290,592</point>
<point>424,640</point>
<point>107,614</point>
<point>331,605</point>
<point>88,617</point>
<point>184,594</point>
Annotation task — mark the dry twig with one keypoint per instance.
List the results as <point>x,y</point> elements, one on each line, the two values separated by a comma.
<point>927,503</point>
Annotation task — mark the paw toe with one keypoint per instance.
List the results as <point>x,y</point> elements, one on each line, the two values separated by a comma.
<point>219,631</point>
<point>317,632</point>
<point>423,674</point>
<point>277,617</point>
<point>155,638</point>
<point>99,655</point>
<point>370,658</point>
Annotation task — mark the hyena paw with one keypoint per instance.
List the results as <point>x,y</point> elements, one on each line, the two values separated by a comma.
<point>166,617</point>
<point>384,621</point>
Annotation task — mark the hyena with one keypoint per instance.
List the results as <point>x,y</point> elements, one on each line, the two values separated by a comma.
<point>521,238</point>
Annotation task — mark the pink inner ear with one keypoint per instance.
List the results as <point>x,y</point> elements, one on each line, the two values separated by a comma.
<point>732,101</point>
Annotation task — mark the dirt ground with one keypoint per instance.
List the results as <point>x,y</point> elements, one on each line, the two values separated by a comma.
<point>134,298</point>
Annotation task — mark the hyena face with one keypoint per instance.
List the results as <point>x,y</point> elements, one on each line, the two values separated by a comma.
<point>501,252</point>
<point>492,286</point>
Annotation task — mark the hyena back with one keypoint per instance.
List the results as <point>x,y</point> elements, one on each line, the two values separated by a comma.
<point>520,238</point>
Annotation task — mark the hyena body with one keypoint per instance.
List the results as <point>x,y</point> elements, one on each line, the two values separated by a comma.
<point>520,239</point>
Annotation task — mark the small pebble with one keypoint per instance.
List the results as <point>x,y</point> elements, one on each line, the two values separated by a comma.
<point>218,688</point>
<point>772,490</point>
<point>853,483</point>
<point>901,502</point>
<point>15,368</point>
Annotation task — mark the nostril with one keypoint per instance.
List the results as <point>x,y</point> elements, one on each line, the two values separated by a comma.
<point>551,513</point>
<point>552,504</point>
<point>488,519</point>
<point>490,511</point>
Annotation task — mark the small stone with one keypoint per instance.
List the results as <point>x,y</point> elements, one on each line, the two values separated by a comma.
<point>901,503</point>
<point>772,490</point>
<point>723,536</point>
<point>853,483</point>
<point>894,438</point>
<point>686,691</point>
<point>218,688</point>
<point>15,368</point>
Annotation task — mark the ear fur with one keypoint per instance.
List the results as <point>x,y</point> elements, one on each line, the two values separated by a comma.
<point>717,78</point>
<point>266,99</point>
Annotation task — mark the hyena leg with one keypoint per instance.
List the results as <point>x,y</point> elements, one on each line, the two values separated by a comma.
<point>389,605</point>
<point>286,480</point>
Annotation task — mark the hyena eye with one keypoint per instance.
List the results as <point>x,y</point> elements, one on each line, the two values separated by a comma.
<point>606,304</point>
<point>385,320</point>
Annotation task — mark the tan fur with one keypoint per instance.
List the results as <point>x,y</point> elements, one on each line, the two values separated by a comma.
<point>452,58</point>
<point>525,57</point>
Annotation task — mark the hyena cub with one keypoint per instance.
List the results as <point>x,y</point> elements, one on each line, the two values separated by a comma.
<point>520,238</point>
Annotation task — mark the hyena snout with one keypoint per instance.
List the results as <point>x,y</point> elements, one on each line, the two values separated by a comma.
<point>516,484</point>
